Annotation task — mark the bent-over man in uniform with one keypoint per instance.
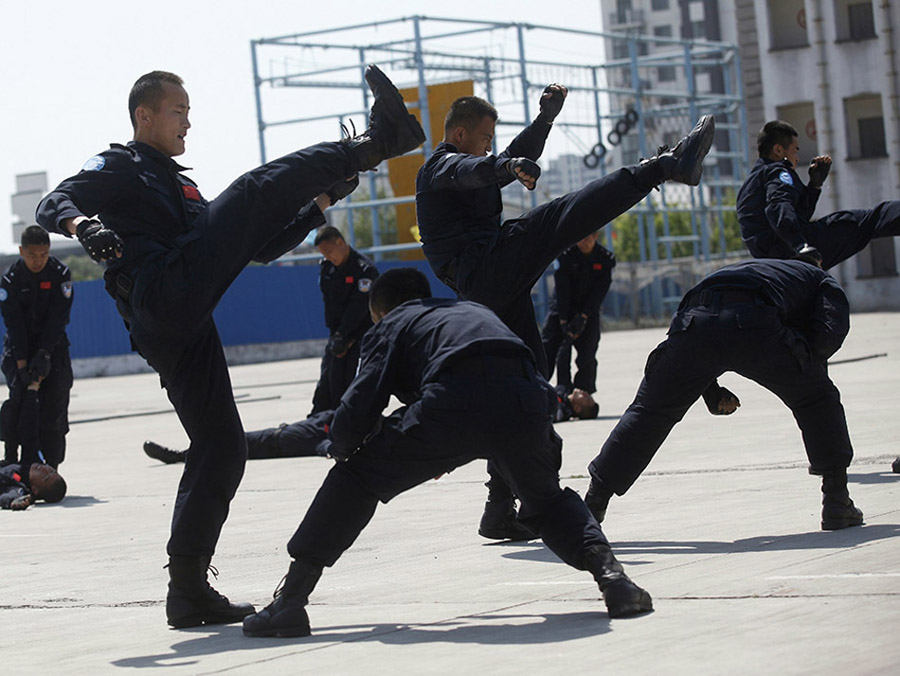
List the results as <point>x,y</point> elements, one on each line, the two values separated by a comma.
<point>470,391</point>
<point>775,322</point>
<point>171,255</point>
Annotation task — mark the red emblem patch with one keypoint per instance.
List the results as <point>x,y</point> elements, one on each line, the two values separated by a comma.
<point>598,266</point>
<point>16,476</point>
<point>191,193</point>
<point>45,285</point>
<point>348,280</point>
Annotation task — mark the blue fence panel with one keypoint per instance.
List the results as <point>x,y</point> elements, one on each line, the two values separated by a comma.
<point>271,304</point>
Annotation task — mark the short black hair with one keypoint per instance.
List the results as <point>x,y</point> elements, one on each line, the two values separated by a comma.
<point>35,235</point>
<point>396,286</point>
<point>775,132</point>
<point>590,412</point>
<point>149,90</point>
<point>55,491</point>
<point>467,112</point>
<point>327,233</point>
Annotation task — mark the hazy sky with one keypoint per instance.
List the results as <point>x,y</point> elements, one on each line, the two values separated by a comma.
<point>67,68</point>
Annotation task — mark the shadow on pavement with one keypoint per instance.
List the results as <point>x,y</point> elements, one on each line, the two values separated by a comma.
<point>487,629</point>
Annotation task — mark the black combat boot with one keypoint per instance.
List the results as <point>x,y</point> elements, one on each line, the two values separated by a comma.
<point>163,454</point>
<point>895,466</point>
<point>392,130</point>
<point>286,616</point>
<point>622,596</point>
<point>191,600</point>
<point>498,522</point>
<point>838,510</point>
<point>684,162</point>
<point>597,499</point>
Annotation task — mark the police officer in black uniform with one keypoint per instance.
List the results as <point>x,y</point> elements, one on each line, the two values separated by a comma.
<point>171,255</point>
<point>21,485</point>
<point>35,301</point>
<point>775,208</point>
<point>459,205</point>
<point>345,276</point>
<point>582,280</point>
<point>470,391</point>
<point>300,439</point>
<point>773,321</point>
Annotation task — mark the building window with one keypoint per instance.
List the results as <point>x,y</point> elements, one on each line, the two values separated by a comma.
<point>787,24</point>
<point>662,31</point>
<point>666,74</point>
<point>865,127</point>
<point>854,20</point>
<point>659,4</point>
<point>802,115</point>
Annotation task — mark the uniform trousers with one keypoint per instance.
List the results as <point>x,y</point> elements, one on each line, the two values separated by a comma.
<point>457,420</point>
<point>335,375</point>
<point>559,353</point>
<point>171,324</point>
<point>703,343</point>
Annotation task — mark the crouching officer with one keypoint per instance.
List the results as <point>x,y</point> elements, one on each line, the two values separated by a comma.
<point>773,321</point>
<point>172,255</point>
<point>35,301</point>
<point>345,276</point>
<point>471,391</point>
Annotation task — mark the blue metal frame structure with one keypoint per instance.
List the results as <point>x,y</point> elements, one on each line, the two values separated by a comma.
<point>418,51</point>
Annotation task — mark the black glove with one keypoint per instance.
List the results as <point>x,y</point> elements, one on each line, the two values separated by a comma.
<point>338,345</point>
<point>576,326</point>
<point>341,189</point>
<point>715,394</point>
<point>25,376</point>
<point>100,242</point>
<point>808,254</point>
<point>337,455</point>
<point>39,366</point>
<point>552,99</point>
<point>530,171</point>
<point>818,172</point>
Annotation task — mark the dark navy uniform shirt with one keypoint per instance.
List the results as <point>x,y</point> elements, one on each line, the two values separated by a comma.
<point>808,299</point>
<point>137,191</point>
<point>407,351</point>
<point>345,292</point>
<point>582,281</point>
<point>13,483</point>
<point>772,205</point>
<point>458,202</point>
<point>35,307</point>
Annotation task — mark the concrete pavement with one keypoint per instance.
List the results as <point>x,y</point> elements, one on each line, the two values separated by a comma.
<point>723,530</point>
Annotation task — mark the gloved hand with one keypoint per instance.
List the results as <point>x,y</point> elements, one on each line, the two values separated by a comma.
<point>22,502</point>
<point>39,366</point>
<point>525,171</point>
<point>808,254</point>
<point>338,345</point>
<point>720,400</point>
<point>552,99</point>
<point>819,167</point>
<point>337,455</point>
<point>341,189</point>
<point>101,243</point>
<point>576,326</point>
<point>25,376</point>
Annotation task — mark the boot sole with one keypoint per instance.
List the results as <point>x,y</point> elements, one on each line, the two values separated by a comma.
<point>706,133</point>
<point>200,620</point>
<point>505,535</point>
<point>393,101</point>
<point>299,632</point>
<point>841,524</point>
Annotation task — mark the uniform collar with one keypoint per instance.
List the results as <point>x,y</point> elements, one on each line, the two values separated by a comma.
<point>145,149</point>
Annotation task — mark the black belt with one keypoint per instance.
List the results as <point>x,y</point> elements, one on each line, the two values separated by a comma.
<point>488,366</point>
<point>708,297</point>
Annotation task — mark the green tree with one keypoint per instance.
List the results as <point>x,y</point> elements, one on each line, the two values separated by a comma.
<point>83,269</point>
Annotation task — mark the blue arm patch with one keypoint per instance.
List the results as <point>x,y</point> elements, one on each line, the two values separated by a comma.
<point>96,163</point>
<point>785,177</point>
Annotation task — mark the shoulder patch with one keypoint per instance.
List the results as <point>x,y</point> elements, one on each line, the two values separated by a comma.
<point>3,295</point>
<point>96,163</point>
<point>785,177</point>
<point>66,288</point>
<point>364,284</point>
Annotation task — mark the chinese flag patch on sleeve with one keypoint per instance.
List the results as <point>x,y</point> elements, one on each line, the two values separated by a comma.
<point>191,193</point>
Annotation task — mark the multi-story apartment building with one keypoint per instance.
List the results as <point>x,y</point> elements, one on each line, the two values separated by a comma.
<point>830,68</point>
